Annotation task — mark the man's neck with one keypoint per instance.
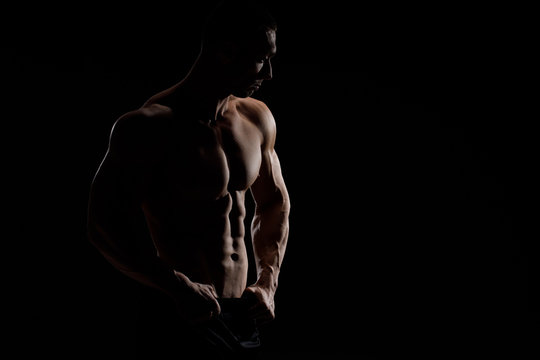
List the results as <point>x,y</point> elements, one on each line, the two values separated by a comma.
<point>203,87</point>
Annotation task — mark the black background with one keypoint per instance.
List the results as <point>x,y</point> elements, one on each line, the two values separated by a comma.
<point>404,142</point>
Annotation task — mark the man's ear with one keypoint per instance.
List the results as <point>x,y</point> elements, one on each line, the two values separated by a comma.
<point>227,52</point>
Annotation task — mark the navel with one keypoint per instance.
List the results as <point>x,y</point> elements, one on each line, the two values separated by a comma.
<point>235,257</point>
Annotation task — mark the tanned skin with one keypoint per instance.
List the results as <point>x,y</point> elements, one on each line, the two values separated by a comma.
<point>182,165</point>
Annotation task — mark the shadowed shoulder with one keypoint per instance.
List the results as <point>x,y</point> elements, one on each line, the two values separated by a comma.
<point>142,134</point>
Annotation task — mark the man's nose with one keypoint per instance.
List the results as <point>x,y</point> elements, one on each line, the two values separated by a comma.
<point>266,71</point>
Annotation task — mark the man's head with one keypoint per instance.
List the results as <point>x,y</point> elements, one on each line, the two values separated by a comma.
<point>240,36</point>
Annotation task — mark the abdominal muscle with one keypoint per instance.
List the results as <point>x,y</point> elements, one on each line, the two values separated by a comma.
<point>204,240</point>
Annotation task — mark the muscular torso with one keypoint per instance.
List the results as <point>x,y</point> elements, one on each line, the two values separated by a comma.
<point>194,201</point>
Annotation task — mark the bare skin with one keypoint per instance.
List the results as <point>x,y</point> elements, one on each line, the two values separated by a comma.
<point>183,163</point>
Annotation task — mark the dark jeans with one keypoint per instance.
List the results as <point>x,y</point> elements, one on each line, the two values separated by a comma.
<point>163,335</point>
<point>232,332</point>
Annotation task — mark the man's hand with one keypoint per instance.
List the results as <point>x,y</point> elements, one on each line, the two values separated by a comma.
<point>262,309</point>
<point>198,303</point>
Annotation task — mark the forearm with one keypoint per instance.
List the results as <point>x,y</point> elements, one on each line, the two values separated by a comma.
<point>144,267</point>
<point>270,232</point>
<point>156,274</point>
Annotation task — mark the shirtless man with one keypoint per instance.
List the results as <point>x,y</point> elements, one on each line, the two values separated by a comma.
<point>181,165</point>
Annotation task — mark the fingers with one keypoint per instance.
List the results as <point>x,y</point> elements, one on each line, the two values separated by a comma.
<point>208,292</point>
<point>261,307</point>
<point>261,313</point>
<point>200,303</point>
<point>215,308</point>
<point>206,311</point>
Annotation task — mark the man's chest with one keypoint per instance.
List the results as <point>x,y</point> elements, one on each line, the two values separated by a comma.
<point>211,161</point>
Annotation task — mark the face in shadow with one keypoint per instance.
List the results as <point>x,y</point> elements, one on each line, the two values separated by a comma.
<point>247,67</point>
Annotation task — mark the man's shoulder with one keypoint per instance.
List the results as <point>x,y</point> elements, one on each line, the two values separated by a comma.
<point>147,116</point>
<point>141,130</point>
<point>251,106</point>
<point>256,112</point>
<point>148,120</point>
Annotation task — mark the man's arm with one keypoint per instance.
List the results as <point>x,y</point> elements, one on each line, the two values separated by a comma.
<point>270,225</point>
<point>116,223</point>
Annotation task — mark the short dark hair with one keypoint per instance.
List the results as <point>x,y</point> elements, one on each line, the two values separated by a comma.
<point>237,21</point>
